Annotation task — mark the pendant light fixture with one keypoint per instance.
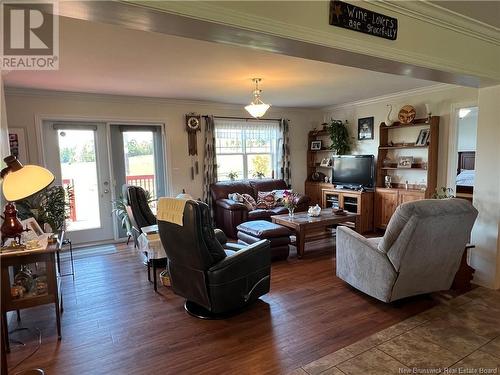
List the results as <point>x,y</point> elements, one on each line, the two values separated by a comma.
<point>257,108</point>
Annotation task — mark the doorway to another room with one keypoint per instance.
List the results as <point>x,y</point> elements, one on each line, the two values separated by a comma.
<point>462,157</point>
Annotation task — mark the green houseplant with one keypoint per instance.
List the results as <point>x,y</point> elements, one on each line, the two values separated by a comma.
<point>50,206</point>
<point>443,193</point>
<point>339,135</point>
<point>121,213</point>
<point>233,175</point>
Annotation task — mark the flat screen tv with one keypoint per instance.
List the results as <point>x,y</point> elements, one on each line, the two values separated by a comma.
<point>354,170</point>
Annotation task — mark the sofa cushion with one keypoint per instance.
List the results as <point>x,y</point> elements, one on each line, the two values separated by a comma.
<point>263,229</point>
<point>280,210</point>
<point>259,214</point>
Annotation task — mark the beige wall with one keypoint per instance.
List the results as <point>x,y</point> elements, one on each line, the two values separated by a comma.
<point>486,234</point>
<point>23,107</point>
<point>439,99</point>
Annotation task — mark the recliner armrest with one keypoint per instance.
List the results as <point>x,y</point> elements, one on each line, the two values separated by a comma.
<point>230,205</point>
<point>363,265</point>
<point>249,259</point>
<point>220,236</point>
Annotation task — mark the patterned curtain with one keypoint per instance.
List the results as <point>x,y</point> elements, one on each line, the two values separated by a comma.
<point>209,162</point>
<point>285,172</point>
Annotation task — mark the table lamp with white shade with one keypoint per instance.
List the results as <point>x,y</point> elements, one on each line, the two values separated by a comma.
<point>19,182</point>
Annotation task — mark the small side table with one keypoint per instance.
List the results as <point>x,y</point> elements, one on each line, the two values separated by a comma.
<point>149,242</point>
<point>62,241</point>
<point>49,291</point>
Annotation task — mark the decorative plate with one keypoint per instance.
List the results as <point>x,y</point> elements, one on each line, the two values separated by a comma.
<point>407,114</point>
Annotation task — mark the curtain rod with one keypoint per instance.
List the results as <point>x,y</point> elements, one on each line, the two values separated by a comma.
<point>247,118</point>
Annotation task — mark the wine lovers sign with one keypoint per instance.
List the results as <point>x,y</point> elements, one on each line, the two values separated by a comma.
<point>363,20</point>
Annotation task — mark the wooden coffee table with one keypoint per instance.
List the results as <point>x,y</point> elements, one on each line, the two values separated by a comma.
<point>307,227</point>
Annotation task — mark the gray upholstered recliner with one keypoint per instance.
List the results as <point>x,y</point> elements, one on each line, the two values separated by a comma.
<point>419,253</point>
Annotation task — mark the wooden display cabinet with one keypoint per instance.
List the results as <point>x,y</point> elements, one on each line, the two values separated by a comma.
<point>387,200</point>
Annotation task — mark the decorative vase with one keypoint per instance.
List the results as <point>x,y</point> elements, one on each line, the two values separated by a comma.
<point>291,212</point>
<point>388,120</point>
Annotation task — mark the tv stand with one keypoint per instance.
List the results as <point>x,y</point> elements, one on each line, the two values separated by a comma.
<point>353,187</point>
<point>359,202</point>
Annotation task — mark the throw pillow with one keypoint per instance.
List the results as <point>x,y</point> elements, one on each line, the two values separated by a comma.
<point>249,202</point>
<point>279,196</point>
<point>237,197</point>
<point>266,199</point>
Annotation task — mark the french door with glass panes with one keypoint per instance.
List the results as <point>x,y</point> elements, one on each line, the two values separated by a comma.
<point>80,155</point>
<point>77,154</point>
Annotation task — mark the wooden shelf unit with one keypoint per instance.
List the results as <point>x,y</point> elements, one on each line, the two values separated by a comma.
<point>387,200</point>
<point>431,154</point>
<point>358,202</point>
<point>313,160</point>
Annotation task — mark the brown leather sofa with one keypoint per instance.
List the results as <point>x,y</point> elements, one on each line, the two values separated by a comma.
<point>229,214</point>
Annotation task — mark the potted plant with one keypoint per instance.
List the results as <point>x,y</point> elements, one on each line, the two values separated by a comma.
<point>443,193</point>
<point>233,175</point>
<point>50,206</point>
<point>339,136</point>
<point>121,213</point>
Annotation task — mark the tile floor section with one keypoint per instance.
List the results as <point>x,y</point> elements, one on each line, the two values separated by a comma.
<point>460,336</point>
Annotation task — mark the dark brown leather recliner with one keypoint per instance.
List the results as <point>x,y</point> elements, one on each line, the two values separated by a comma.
<point>214,281</point>
<point>229,214</point>
<point>138,202</point>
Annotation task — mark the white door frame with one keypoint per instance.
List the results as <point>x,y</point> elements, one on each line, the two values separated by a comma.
<point>167,156</point>
<point>451,170</point>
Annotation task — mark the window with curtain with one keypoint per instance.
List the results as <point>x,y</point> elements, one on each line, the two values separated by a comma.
<point>247,148</point>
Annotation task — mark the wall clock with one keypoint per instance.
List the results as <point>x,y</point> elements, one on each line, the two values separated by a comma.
<point>193,125</point>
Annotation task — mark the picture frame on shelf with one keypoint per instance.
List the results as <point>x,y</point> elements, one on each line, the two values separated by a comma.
<point>316,145</point>
<point>34,232</point>
<point>326,162</point>
<point>423,137</point>
<point>405,162</point>
<point>365,128</point>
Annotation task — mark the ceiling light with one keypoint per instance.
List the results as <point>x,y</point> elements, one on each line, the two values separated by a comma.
<point>257,108</point>
<point>462,112</point>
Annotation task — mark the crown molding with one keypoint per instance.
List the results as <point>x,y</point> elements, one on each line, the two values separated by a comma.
<point>389,97</point>
<point>126,99</point>
<point>208,11</point>
<point>426,11</point>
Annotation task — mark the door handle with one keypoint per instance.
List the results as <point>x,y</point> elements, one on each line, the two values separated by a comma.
<point>106,191</point>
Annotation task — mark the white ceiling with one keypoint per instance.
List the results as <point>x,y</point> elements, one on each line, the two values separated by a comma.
<point>107,59</point>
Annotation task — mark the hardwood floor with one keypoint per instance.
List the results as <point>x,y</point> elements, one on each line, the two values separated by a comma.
<point>114,323</point>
